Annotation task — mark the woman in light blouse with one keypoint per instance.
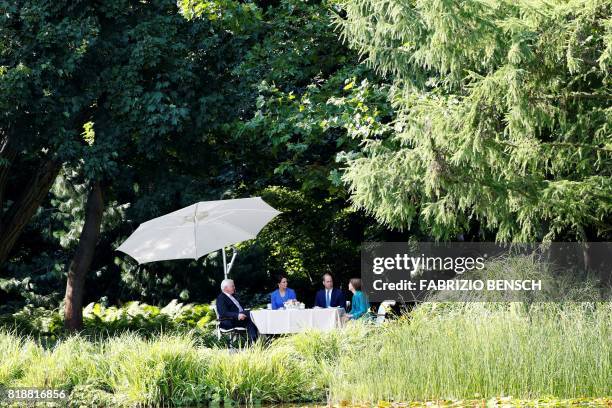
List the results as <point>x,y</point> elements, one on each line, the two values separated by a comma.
<point>359,304</point>
<point>282,294</point>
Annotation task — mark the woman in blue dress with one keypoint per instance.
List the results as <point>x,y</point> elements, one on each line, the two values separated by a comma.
<point>360,307</point>
<point>282,294</point>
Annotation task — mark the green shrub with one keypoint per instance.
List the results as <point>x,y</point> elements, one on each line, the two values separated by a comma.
<point>135,316</point>
<point>48,325</point>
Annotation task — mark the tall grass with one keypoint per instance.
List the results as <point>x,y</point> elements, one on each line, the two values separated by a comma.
<point>168,370</point>
<point>440,350</point>
<point>460,350</point>
<point>277,374</point>
<point>15,356</point>
<point>483,350</point>
<point>62,367</point>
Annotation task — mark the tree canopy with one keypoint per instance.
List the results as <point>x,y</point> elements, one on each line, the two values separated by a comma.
<point>167,105</point>
<point>360,120</point>
<point>503,117</point>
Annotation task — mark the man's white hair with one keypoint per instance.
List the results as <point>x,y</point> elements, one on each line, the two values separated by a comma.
<point>225,283</point>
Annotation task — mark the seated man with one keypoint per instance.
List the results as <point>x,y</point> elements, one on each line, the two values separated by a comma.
<point>329,296</point>
<point>231,313</point>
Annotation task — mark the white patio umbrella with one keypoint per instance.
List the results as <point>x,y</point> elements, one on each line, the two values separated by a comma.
<point>197,230</point>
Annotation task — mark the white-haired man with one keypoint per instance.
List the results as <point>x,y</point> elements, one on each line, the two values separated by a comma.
<point>231,312</point>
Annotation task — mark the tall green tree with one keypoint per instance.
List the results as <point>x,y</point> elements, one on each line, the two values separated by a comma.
<point>228,100</point>
<point>504,122</point>
<point>43,103</point>
<point>124,92</point>
<point>303,90</point>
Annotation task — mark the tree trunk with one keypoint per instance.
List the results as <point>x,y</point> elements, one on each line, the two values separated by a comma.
<point>596,257</point>
<point>73,307</point>
<point>22,210</point>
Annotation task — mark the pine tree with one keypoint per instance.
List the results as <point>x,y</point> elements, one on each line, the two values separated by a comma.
<point>503,118</point>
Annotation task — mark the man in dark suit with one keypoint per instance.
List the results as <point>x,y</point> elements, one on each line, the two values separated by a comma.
<point>330,296</point>
<point>231,313</point>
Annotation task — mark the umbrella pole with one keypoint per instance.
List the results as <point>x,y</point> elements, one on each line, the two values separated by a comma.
<point>231,263</point>
<point>224,263</point>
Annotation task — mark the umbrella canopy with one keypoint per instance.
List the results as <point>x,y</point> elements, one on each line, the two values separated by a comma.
<point>199,229</point>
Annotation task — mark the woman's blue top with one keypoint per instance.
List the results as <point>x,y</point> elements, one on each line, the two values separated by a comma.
<point>359,305</point>
<point>278,301</point>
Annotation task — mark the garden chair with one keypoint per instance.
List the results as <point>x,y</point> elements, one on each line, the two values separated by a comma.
<point>233,335</point>
<point>383,309</point>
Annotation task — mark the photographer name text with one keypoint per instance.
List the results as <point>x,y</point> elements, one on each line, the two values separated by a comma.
<point>459,285</point>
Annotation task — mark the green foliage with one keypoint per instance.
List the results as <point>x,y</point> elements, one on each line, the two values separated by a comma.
<point>89,134</point>
<point>135,316</point>
<point>313,236</point>
<point>503,117</point>
<point>258,374</point>
<point>240,17</point>
<point>481,350</point>
<point>62,367</point>
<point>307,130</point>
<point>158,91</point>
<point>17,353</point>
<point>295,46</point>
<point>138,371</point>
<point>305,100</point>
<point>102,321</point>
<point>466,351</point>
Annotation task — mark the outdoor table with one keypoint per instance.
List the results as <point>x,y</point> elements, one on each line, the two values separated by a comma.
<point>296,320</point>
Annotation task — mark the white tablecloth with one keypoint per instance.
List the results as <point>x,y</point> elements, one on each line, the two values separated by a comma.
<point>296,320</point>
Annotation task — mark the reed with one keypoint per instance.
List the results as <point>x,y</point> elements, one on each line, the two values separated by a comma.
<point>475,350</point>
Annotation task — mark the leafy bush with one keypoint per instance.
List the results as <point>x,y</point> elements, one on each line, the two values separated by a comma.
<point>135,316</point>
<point>98,320</point>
